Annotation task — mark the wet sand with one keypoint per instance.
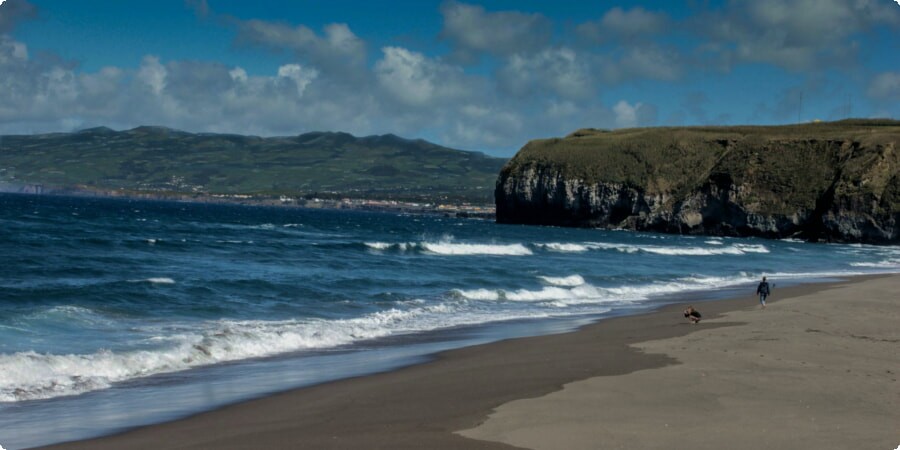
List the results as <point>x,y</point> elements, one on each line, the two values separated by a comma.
<point>552,391</point>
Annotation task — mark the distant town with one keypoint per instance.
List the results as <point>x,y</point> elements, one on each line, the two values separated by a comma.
<point>332,201</point>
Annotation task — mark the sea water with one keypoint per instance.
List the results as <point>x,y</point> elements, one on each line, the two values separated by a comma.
<point>118,313</point>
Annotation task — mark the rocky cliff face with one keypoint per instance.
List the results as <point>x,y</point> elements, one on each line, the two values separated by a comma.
<point>835,181</point>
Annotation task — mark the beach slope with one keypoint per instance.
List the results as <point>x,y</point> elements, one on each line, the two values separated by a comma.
<point>817,370</point>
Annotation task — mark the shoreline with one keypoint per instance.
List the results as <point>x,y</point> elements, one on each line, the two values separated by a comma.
<point>817,370</point>
<point>463,210</point>
<point>425,405</point>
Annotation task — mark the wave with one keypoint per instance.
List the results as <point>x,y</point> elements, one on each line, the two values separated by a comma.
<point>155,280</point>
<point>401,246</point>
<point>551,296</point>
<point>719,249</point>
<point>572,280</point>
<point>449,248</point>
<point>564,247</point>
<point>885,264</point>
<point>30,375</point>
<point>446,248</point>
<point>70,314</point>
<point>176,347</point>
<point>573,290</point>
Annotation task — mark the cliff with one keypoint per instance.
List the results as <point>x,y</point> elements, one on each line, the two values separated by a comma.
<point>835,181</point>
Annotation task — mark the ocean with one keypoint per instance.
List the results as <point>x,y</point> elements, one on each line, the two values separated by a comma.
<point>118,313</point>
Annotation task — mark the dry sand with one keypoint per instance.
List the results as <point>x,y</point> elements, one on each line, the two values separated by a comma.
<point>815,371</point>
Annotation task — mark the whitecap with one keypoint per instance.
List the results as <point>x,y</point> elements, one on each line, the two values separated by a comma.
<point>456,249</point>
<point>572,280</point>
<point>379,245</point>
<point>564,247</point>
<point>736,249</point>
<point>31,375</point>
<point>155,280</point>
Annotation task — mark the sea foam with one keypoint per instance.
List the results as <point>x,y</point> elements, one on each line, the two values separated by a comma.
<point>572,280</point>
<point>31,375</point>
<point>447,248</point>
<point>717,249</point>
<point>565,247</point>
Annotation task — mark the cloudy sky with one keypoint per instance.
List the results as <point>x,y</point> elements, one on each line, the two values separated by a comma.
<point>476,75</point>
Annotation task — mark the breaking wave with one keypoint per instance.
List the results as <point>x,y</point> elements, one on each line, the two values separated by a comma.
<point>564,247</point>
<point>155,280</point>
<point>453,249</point>
<point>718,249</point>
<point>572,280</point>
<point>31,375</point>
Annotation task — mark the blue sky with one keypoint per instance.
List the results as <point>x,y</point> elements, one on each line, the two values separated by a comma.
<point>475,75</point>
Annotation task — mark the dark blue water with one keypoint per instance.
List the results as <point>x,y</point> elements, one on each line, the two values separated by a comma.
<point>145,311</point>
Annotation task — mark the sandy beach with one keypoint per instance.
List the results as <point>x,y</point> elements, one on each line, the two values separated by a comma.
<point>817,369</point>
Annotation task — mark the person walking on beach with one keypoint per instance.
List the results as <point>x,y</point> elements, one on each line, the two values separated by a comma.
<point>763,291</point>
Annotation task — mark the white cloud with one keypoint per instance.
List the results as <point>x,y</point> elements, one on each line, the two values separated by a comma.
<point>626,114</point>
<point>885,87</point>
<point>561,71</point>
<point>651,62</point>
<point>416,80</point>
<point>238,74</point>
<point>630,116</point>
<point>152,74</point>
<point>11,50</point>
<point>617,23</point>
<point>472,30</point>
<point>298,74</point>
<point>797,35</point>
<point>338,50</point>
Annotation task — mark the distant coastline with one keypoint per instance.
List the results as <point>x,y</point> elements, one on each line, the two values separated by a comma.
<point>328,201</point>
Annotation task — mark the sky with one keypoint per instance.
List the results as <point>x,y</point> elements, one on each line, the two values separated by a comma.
<point>475,75</point>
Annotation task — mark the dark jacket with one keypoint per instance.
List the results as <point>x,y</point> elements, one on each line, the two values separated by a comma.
<point>763,288</point>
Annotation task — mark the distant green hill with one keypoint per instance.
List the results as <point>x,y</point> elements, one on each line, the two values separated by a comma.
<point>166,160</point>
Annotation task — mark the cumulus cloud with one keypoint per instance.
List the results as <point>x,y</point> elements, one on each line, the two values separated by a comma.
<point>473,31</point>
<point>416,80</point>
<point>796,35</point>
<point>336,50</point>
<point>634,115</point>
<point>617,23</point>
<point>558,71</point>
<point>652,63</point>
<point>40,95</point>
